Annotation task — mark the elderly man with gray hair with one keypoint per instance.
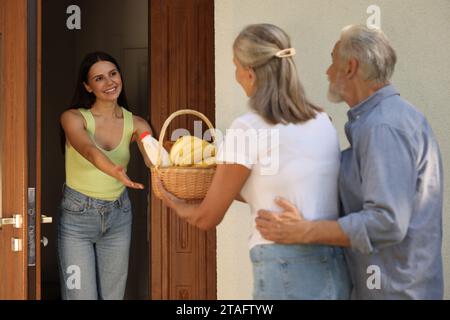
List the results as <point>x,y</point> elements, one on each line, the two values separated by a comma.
<point>390,181</point>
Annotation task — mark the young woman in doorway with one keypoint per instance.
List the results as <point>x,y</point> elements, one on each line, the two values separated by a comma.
<point>95,225</point>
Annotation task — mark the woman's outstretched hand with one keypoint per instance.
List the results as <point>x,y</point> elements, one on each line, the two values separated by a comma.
<point>122,176</point>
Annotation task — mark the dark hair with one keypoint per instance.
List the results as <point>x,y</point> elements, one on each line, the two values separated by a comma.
<point>81,97</point>
<point>84,99</point>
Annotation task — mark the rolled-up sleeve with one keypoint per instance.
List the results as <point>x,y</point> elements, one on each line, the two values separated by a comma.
<point>387,163</point>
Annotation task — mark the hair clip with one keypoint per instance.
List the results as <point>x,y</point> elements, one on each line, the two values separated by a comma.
<point>285,53</point>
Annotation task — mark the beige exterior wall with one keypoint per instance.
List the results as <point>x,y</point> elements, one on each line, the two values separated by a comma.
<point>419,31</point>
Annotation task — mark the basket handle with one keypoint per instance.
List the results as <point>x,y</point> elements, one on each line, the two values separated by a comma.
<point>173,116</point>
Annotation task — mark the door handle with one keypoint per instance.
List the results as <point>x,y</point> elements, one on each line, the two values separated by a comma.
<point>45,219</point>
<point>16,221</point>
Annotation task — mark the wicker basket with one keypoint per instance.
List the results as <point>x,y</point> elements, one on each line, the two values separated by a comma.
<point>188,183</point>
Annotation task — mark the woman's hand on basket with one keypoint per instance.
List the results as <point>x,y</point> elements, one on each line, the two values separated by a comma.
<point>183,209</point>
<point>122,176</point>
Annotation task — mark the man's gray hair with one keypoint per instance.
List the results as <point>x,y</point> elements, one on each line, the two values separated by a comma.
<point>372,49</point>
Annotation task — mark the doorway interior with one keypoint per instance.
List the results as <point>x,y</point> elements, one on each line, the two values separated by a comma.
<point>120,28</point>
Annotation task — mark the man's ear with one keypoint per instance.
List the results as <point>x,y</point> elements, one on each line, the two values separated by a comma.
<point>86,86</point>
<point>352,68</point>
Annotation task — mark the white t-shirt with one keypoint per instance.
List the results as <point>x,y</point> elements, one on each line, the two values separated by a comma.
<point>299,162</point>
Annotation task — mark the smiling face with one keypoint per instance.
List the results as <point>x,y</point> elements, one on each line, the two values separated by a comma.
<point>245,77</point>
<point>104,81</point>
<point>336,77</point>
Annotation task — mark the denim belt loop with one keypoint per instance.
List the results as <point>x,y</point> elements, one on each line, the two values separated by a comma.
<point>119,201</point>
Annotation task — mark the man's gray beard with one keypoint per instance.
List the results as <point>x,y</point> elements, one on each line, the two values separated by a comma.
<point>333,94</point>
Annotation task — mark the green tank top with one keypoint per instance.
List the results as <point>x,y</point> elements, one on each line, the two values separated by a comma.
<point>83,176</point>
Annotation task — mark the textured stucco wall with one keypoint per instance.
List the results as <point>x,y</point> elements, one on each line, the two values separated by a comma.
<point>419,31</point>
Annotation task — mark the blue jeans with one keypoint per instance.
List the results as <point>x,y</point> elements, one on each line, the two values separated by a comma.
<point>93,246</point>
<point>304,272</point>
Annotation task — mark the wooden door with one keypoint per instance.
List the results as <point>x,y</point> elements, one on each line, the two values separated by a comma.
<point>13,148</point>
<point>183,258</point>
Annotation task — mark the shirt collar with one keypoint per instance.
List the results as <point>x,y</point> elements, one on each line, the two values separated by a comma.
<point>371,102</point>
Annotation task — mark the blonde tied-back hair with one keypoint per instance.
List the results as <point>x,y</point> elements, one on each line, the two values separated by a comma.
<point>279,96</point>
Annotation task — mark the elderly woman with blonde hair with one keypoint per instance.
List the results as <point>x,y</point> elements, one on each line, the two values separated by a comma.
<point>283,146</point>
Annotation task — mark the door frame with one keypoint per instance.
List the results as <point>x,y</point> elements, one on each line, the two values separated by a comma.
<point>165,226</point>
<point>183,258</point>
<point>34,39</point>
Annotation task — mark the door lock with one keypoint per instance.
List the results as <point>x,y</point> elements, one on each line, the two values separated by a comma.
<point>44,241</point>
<point>45,219</point>
<point>16,221</point>
<point>16,245</point>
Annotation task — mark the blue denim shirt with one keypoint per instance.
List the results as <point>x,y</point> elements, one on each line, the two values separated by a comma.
<point>391,190</point>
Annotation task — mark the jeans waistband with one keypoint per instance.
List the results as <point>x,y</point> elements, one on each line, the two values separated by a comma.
<point>275,250</point>
<point>94,202</point>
